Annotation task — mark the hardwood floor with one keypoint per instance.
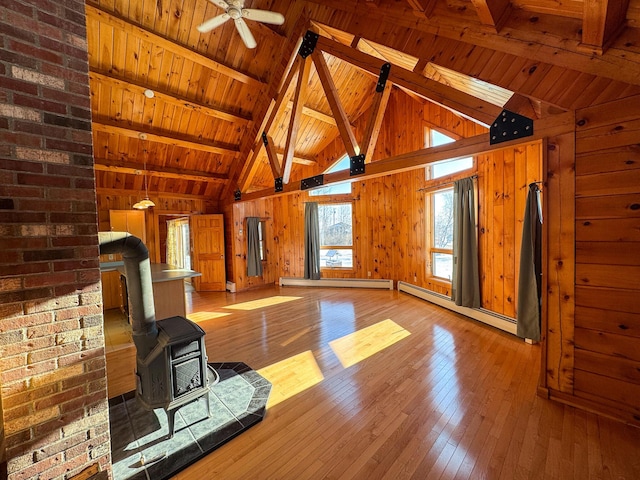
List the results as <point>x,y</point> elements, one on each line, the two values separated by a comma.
<point>452,399</point>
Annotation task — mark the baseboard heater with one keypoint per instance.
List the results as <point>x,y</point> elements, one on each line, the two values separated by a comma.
<point>502,322</point>
<point>337,282</point>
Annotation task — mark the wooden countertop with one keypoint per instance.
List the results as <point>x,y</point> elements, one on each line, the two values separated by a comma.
<point>160,272</point>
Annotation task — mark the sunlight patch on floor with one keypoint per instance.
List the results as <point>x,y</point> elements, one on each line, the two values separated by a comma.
<point>291,376</point>
<point>263,302</point>
<point>359,345</point>
<point>204,316</point>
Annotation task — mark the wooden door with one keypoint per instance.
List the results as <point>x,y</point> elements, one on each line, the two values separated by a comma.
<point>207,242</point>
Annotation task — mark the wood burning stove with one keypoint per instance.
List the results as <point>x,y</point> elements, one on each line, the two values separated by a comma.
<point>170,354</point>
<point>175,371</point>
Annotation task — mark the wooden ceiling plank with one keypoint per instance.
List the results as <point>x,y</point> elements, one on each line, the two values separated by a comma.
<point>116,21</point>
<point>172,99</point>
<point>331,92</point>
<point>379,106</point>
<point>602,22</point>
<point>492,13</point>
<point>273,157</point>
<point>447,97</point>
<point>178,141</point>
<point>131,168</point>
<point>294,121</point>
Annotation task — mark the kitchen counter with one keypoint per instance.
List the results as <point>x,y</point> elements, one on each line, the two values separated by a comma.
<point>160,272</point>
<point>168,287</point>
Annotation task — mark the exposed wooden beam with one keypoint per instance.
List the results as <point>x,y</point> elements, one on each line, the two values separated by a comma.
<point>477,145</point>
<point>250,165</point>
<point>298,159</point>
<point>602,22</point>
<point>518,38</point>
<point>448,97</point>
<point>122,192</point>
<point>243,174</point>
<point>331,92</point>
<point>310,112</point>
<point>102,164</point>
<point>379,106</point>
<point>116,21</point>
<point>521,105</point>
<point>492,13</point>
<point>168,139</point>
<point>423,8</point>
<point>294,121</point>
<point>172,99</point>
<point>274,161</point>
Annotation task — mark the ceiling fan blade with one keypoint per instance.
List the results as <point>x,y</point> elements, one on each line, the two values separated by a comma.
<point>212,23</point>
<point>263,16</point>
<point>245,33</point>
<point>220,3</point>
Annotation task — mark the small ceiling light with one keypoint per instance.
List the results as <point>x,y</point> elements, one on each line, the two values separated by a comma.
<point>149,93</point>
<point>146,203</point>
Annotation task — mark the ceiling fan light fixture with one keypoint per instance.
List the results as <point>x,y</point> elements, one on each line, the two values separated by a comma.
<point>234,9</point>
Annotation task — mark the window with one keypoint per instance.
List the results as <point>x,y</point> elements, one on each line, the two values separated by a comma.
<point>445,167</point>
<point>439,208</point>
<point>336,188</point>
<point>261,240</point>
<point>441,241</point>
<point>335,221</point>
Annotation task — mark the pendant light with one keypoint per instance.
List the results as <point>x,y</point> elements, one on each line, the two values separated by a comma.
<point>146,203</point>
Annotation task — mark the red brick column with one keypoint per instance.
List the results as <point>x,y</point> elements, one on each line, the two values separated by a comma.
<point>52,361</point>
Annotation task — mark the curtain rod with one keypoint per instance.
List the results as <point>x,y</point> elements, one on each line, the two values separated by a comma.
<point>445,184</point>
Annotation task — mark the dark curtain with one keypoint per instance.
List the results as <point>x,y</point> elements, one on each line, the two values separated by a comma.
<point>311,242</point>
<point>254,264</point>
<point>465,282</point>
<point>530,279</point>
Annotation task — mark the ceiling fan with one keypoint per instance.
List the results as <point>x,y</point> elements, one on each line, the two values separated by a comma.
<point>235,9</point>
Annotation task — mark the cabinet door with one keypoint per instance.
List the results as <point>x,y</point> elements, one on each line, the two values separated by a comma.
<point>110,290</point>
<point>131,221</point>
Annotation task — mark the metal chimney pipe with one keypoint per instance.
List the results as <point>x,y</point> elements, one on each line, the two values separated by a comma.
<point>137,270</point>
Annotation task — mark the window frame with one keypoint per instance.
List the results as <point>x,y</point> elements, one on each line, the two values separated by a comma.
<point>431,249</point>
<point>431,187</point>
<point>340,200</point>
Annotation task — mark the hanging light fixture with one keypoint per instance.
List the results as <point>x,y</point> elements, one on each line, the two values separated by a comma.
<point>146,203</point>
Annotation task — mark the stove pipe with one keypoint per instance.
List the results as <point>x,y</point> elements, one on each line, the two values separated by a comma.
<point>137,270</point>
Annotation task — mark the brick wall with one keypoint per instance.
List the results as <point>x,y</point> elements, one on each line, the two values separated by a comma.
<point>52,365</point>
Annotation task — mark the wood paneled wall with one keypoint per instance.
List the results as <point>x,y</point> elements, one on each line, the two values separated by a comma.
<point>607,226</point>
<point>389,228</point>
<point>165,205</point>
<point>503,180</point>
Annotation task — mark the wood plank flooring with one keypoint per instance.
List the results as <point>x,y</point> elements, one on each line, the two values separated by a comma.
<point>453,399</point>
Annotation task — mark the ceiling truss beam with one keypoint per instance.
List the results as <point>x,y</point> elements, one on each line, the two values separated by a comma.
<point>448,97</point>
<point>331,92</point>
<point>601,23</point>
<point>294,121</point>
